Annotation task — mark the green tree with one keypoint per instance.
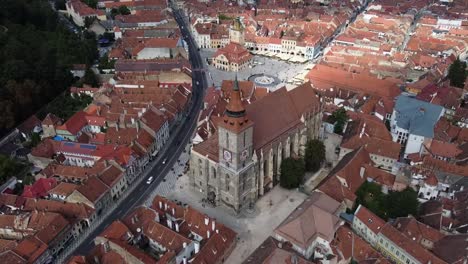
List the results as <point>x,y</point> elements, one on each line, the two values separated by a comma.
<point>60,4</point>
<point>314,155</point>
<point>457,73</point>
<point>114,12</point>
<point>88,21</point>
<point>35,58</point>
<point>391,205</point>
<point>91,3</point>
<point>8,168</point>
<point>402,203</point>
<point>123,10</point>
<point>90,78</point>
<point>339,117</point>
<point>105,63</point>
<point>292,173</point>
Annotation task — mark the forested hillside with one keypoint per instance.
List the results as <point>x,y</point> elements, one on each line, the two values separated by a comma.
<point>36,53</point>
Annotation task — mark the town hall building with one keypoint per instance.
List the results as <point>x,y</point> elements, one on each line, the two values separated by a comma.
<point>241,161</point>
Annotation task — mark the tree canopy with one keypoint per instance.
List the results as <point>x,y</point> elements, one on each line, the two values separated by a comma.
<point>457,73</point>
<point>391,205</point>
<point>339,117</point>
<point>314,155</point>
<point>8,168</point>
<point>36,54</point>
<point>292,173</point>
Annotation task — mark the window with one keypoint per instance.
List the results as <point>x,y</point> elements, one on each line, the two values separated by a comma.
<point>244,137</point>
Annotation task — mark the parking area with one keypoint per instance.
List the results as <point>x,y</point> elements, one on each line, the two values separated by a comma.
<point>289,74</point>
<point>252,228</point>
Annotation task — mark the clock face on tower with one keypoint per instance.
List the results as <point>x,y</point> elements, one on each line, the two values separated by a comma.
<point>227,155</point>
<point>244,155</point>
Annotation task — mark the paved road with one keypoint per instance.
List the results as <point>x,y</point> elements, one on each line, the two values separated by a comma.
<point>175,147</point>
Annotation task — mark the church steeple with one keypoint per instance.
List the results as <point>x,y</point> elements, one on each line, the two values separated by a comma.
<point>235,117</point>
<point>235,108</point>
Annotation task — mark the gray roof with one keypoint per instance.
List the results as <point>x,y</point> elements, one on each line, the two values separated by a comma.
<point>416,116</point>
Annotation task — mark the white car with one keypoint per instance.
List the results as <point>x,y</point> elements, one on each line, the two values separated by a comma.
<point>150,180</point>
<point>164,161</point>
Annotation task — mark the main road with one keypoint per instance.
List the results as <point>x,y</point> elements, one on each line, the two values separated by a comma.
<point>177,143</point>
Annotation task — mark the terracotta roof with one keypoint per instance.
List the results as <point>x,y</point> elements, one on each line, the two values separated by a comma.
<point>111,175</point>
<point>154,120</point>
<point>324,77</point>
<point>372,221</point>
<point>11,257</point>
<point>70,211</point>
<point>29,124</point>
<point>93,189</point>
<point>272,121</point>
<point>452,248</point>
<point>39,188</point>
<point>443,149</point>
<point>75,123</point>
<point>51,120</point>
<point>208,148</point>
<point>410,246</point>
<point>271,251</point>
<point>315,217</point>
<point>234,53</point>
<point>416,230</point>
<point>347,245</point>
<point>30,249</point>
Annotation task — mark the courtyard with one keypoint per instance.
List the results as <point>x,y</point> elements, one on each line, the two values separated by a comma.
<point>286,73</point>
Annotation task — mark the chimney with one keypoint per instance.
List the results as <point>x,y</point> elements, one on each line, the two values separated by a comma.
<point>173,211</point>
<point>197,247</point>
<point>160,205</point>
<point>207,220</point>
<point>184,245</point>
<point>165,206</point>
<point>213,225</point>
<point>208,233</point>
<point>177,227</point>
<point>184,260</point>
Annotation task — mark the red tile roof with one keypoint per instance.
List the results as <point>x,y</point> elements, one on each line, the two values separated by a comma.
<point>39,188</point>
<point>372,221</point>
<point>324,77</point>
<point>410,246</point>
<point>347,245</point>
<point>234,53</point>
<point>75,123</point>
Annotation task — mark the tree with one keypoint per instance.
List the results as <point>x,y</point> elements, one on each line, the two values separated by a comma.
<point>8,168</point>
<point>391,205</point>
<point>339,117</point>
<point>292,173</point>
<point>105,63</point>
<point>114,12</point>
<point>90,78</point>
<point>91,3</point>
<point>35,58</point>
<point>457,73</point>
<point>88,21</point>
<point>402,203</point>
<point>123,10</point>
<point>314,155</point>
<point>60,4</point>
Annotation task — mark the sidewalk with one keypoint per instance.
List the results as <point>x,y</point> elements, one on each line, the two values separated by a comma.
<point>252,229</point>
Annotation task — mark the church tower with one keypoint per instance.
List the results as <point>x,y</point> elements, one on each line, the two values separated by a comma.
<point>236,32</point>
<point>235,141</point>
